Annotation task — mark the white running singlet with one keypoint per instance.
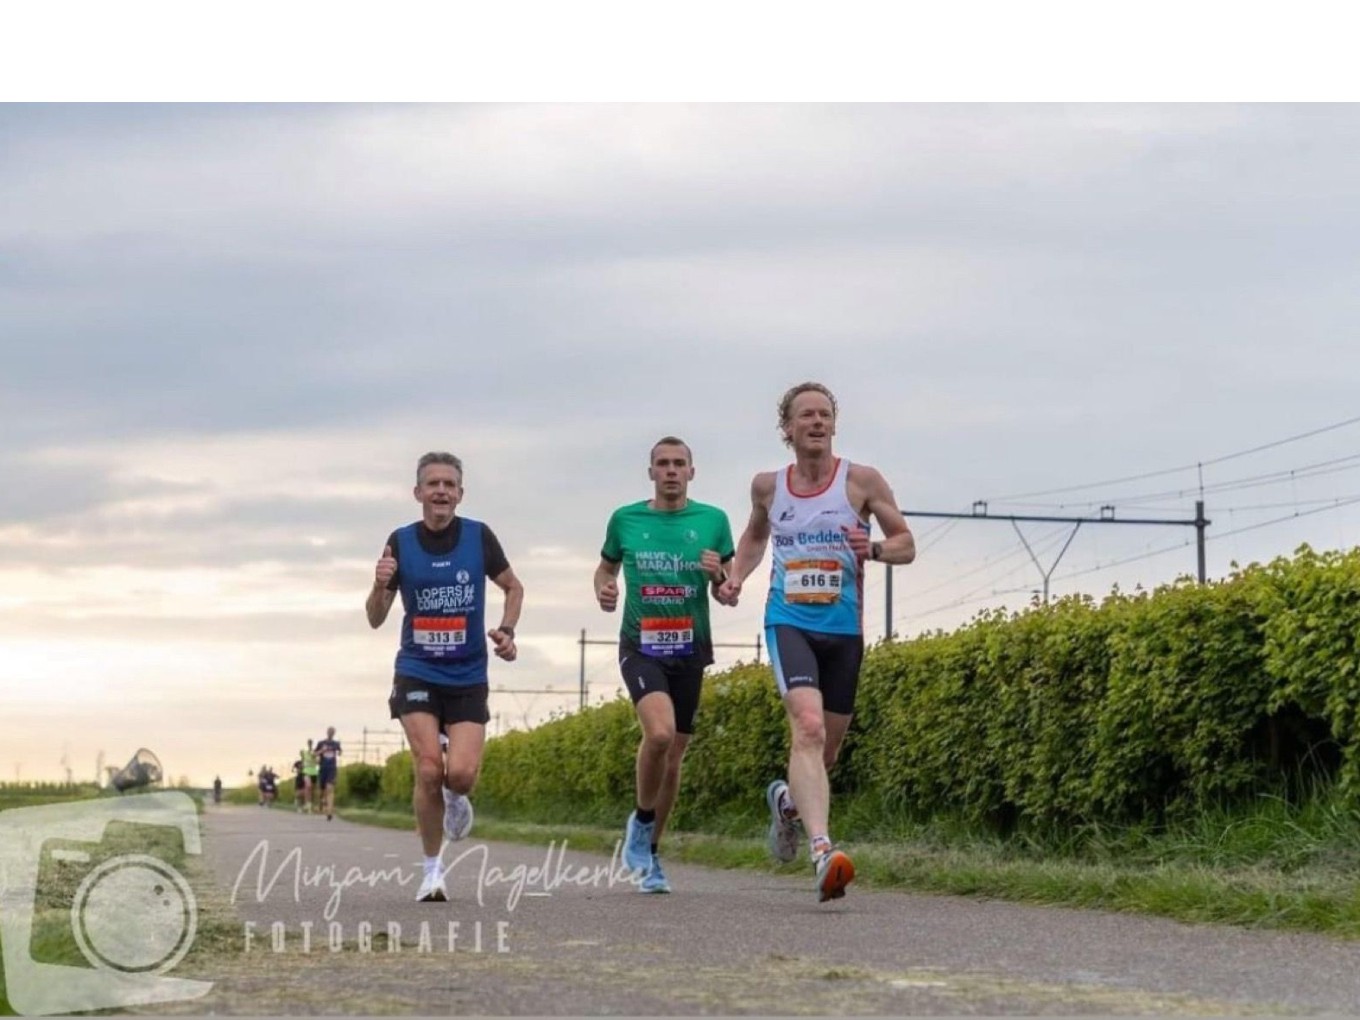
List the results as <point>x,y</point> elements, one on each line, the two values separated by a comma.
<point>816,583</point>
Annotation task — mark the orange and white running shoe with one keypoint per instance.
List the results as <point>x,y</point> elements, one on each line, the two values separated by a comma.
<point>835,871</point>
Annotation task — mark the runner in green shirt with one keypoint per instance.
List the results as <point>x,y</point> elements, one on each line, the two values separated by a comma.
<point>310,769</point>
<point>671,550</point>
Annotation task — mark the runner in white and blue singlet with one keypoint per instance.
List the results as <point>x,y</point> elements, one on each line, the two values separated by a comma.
<point>817,511</point>
<point>816,580</point>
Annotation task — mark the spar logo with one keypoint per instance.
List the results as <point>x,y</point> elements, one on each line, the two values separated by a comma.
<point>667,594</point>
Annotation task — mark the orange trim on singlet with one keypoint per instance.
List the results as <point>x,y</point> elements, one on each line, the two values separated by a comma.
<point>788,482</point>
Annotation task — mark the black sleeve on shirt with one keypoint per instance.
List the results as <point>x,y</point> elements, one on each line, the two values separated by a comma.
<point>395,583</point>
<point>493,556</point>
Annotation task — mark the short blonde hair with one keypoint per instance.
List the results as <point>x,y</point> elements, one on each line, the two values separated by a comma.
<point>786,405</point>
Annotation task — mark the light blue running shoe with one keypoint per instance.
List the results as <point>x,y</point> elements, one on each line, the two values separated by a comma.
<point>637,844</point>
<point>655,882</point>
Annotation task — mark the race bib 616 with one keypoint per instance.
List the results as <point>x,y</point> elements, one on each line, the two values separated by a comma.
<point>812,582</point>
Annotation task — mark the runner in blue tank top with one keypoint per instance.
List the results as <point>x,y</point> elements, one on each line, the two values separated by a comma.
<point>440,565</point>
<point>817,510</point>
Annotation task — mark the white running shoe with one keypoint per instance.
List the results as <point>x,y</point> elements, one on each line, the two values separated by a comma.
<point>783,835</point>
<point>432,889</point>
<point>457,816</point>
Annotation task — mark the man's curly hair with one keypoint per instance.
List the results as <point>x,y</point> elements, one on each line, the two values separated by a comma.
<point>786,405</point>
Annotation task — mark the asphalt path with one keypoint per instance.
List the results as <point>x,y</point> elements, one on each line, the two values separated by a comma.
<point>329,924</point>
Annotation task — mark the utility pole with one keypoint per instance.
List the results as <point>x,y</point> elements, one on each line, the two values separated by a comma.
<point>887,598</point>
<point>1107,516</point>
<point>1046,574</point>
<point>1200,524</point>
<point>584,642</point>
<point>382,740</point>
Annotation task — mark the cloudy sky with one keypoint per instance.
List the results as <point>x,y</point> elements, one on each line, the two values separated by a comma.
<point>228,332</point>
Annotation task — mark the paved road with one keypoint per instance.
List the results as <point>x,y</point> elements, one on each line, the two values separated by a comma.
<point>578,939</point>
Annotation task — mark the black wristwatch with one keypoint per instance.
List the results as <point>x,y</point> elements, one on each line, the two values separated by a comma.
<point>875,551</point>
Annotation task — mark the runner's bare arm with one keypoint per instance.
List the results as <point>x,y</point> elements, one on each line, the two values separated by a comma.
<point>380,596</point>
<point>898,545</point>
<point>751,545</point>
<point>607,585</point>
<point>503,636</point>
<point>507,582</point>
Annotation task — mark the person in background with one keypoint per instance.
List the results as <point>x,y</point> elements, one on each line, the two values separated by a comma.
<point>310,770</point>
<point>328,752</point>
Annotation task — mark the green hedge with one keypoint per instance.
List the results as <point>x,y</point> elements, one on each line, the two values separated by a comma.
<point>398,778</point>
<point>354,784</point>
<point>358,783</point>
<point>1133,709</point>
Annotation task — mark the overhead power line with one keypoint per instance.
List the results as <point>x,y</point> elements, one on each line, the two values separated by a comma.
<point>1350,501</point>
<point>968,597</point>
<point>1303,472</point>
<point>1185,467</point>
<point>1281,477</point>
<point>1327,500</point>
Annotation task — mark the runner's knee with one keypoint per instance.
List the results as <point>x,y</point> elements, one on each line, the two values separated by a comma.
<point>659,738</point>
<point>808,728</point>
<point>675,754</point>
<point>462,779</point>
<point>429,770</point>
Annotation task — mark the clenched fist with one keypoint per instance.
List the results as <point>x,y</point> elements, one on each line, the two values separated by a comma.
<point>607,595</point>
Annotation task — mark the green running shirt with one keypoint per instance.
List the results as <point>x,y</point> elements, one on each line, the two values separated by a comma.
<point>665,604</point>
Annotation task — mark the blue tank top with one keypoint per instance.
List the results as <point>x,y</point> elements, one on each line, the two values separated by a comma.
<point>816,583</point>
<point>443,634</point>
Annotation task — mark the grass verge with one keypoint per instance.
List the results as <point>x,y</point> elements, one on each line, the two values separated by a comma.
<point>1271,864</point>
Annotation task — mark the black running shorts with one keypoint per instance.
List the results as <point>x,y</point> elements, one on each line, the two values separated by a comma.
<point>681,677</point>
<point>828,662</point>
<point>445,702</point>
